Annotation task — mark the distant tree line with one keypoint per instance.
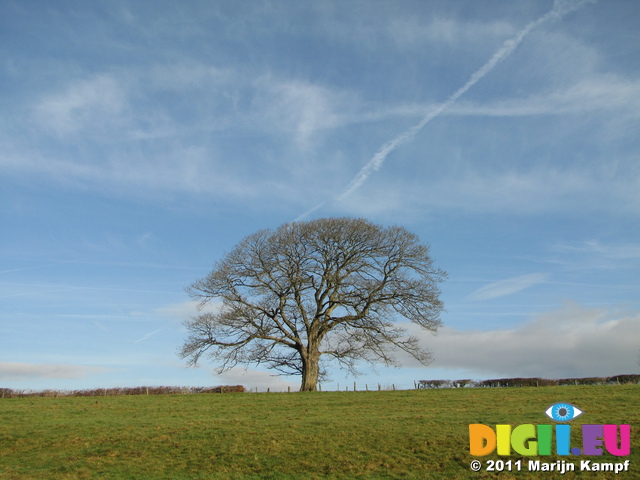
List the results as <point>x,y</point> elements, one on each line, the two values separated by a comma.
<point>105,392</point>
<point>528,382</point>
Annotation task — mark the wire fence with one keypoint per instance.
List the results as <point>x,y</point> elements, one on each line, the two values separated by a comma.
<point>468,383</point>
<point>327,387</point>
<point>341,387</point>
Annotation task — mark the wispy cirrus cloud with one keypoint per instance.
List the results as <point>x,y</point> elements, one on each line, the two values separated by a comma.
<point>408,32</point>
<point>172,128</point>
<point>621,252</point>
<point>147,336</point>
<point>299,108</point>
<point>84,105</point>
<point>597,255</point>
<point>122,129</point>
<point>508,286</point>
<point>560,8</point>
<point>184,310</point>
<point>500,190</point>
<point>600,93</point>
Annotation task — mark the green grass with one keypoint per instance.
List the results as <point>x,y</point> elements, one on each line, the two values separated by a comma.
<point>403,434</point>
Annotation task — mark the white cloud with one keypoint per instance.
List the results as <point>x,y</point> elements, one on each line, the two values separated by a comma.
<point>507,286</point>
<point>574,341</point>
<point>302,108</point>
<point>505,51</point>
<point>136,128</point>
<point>184,310</point>
<point>307,108</point>
<point>597,94</point>
<point>26,371</point>
<point>152,128</point>
<point>85,104</point>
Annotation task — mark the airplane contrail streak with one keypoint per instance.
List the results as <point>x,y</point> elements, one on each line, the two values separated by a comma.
<point>559,10</point>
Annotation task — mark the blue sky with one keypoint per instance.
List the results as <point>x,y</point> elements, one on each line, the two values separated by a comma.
<point>140,141</point>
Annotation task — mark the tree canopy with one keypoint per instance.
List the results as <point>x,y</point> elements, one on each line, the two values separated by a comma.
<point>332,288</point>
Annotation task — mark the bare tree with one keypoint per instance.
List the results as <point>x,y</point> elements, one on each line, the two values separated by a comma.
<point>332,287</point>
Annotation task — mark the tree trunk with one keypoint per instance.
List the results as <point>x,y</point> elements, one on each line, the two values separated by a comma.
<point>310,370</point>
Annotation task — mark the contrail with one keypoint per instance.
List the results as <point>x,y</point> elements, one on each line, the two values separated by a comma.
<point>559,10</point>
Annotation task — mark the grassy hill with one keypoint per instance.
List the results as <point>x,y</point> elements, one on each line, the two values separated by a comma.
<point>403,434</point>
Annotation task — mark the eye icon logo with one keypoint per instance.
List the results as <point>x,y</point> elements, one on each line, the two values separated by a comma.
<point>563,412</point>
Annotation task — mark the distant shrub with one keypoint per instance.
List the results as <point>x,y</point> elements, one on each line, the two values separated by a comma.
<point>491,383</point>
<point>545,382</point>
<point>621,379</point>
<point>6,393</point>
<point>583,381</point>
<point>528,382</point>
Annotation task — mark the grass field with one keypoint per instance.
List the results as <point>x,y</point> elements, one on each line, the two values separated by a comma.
<point>403,434</point>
